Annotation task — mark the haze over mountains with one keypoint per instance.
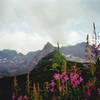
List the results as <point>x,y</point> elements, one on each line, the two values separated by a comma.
<point>12,62</point>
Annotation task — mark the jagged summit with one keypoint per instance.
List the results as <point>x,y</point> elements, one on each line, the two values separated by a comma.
<point>48,46</point>
<point>10,61</point>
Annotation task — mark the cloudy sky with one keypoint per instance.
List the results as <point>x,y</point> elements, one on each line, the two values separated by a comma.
<point>26,25</point>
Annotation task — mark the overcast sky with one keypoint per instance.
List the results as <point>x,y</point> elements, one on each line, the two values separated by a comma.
<point>26,25</point>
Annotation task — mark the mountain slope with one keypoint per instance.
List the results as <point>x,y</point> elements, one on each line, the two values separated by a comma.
<point>43,70</point>
<point>77,50</point>
<point>12,63</point>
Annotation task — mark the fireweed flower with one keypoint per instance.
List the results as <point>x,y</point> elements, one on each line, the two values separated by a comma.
<point>63,73</point>
<point>88,93</point>
<point>62,80</point>
<point>25,97</point>
<point>98,91</point>
<point>75,80</point>
<point>13,96</point>
<point>75,84</point>
<point>20,98</point>
<point>81,79</point>
<point>75,76</point>
<point>71,75</point>
<point>57,76</point>
<point>63,93</point>
<point>91,84</point>
<point>53,83</point>
<point>66,78</point>
<point>52,90</point>
<point>95,49</point>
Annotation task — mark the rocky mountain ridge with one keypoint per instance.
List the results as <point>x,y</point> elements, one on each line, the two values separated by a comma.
<point>12,63</point>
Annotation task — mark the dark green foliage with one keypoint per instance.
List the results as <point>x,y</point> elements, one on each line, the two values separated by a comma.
<point>43,70</point>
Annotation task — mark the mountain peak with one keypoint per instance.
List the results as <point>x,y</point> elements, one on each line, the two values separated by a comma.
<point>48,46</point>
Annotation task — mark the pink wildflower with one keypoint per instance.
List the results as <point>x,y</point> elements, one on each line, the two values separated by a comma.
<point>66,78</point>
<point>57,76</point>
<point>95,49</point>
<point>53,83</point>
<point>81,79</point>
<point>72,82</point>
<point>13,96</point>
<point>25,97</point>
<point>88,93</point>
<point>63,80</point>
<point>71,75</point>
<point>77,82</point>
<point>52,89</point>
<point>75,76</point>
<point>73,79</point>
<point>20,98</point>
<point>63,73</point>
<point>74,86</point>
<point>98,91</point>
<point>91,84</point>
<point>63,93</point>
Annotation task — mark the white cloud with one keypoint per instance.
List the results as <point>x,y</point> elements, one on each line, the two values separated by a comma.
<point>23,42</point>
<point>45,20</point>
<point>74,37</point>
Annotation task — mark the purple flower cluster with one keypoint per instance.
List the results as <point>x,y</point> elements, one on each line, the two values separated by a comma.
<point>20,97</point>
<point>95,49</point>
<point>57,76</point>
<point>75,79</point>
<point>63,77</point>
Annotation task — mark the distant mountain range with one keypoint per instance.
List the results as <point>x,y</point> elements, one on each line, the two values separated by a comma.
<point>77,50</point>
<point>12,63</point>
